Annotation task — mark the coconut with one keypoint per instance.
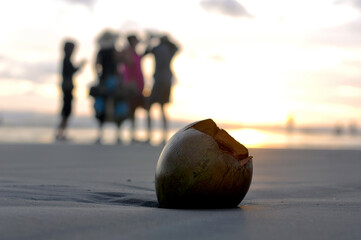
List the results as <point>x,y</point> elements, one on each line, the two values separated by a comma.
<point>202,166</point>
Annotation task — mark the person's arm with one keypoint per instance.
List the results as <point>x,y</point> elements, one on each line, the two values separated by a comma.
<point>98,65</point>
<point>68,68</point>
<point>81,64</point>
<point>174,48</point>
<point>149,39</point>
<point>147,51</point>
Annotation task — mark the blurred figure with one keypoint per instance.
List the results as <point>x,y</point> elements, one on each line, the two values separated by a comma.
<point>352,127</point>
<point>290,123</point>
<point>110,104</point>
<point>338,130</point>
<point>133,78</point>
<point>67,85</point>
<point>163,54</point>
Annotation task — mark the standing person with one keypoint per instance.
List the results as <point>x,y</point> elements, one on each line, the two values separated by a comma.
<point>163,54</point>
<point>109,103</point>
<point>67,86</point>
<point>133,78</point>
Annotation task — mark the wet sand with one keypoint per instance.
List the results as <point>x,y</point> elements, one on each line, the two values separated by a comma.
<point>64,191</point>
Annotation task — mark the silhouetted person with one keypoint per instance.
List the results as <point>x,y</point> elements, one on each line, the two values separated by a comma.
<point>109,102</point>
<point>133,78</point>
<point>67,85</point>
<point>352,127</point>
<point>290,124</point>
<point>163,54</point>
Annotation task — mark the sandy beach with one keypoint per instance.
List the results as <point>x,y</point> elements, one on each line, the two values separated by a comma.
<point>85,191</point>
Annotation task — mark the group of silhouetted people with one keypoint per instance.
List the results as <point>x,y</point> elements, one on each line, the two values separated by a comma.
<point>118,91</point>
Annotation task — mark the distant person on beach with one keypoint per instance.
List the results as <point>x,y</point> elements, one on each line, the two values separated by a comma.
<point>163,77</point>
<point>67,85</point>
<point>133,78</point>
<point>110,101</point>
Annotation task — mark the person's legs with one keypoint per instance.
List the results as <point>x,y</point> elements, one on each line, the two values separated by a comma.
<point>100,131</point>
<point>138,101</point>
<point>149,126</point>
<point>149,119</point>
<point>165,123</point>
<point>132,127</point>
<point>119,125</point>
<point>65,113</point>
<point>61,128</point>
<point>99,108</point>
<point>118,141</point>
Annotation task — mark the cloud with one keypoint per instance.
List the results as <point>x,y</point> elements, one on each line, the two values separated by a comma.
<point>20,70</point>
<point>345,36</point>
<point>354,3</point>
<point>88,3</point>
<point>338,88</point>
<point>230,8</point>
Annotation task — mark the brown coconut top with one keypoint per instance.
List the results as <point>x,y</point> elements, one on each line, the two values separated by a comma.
<point>226,142</point>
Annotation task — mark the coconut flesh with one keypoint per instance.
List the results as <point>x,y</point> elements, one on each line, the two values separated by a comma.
<point>202,166</point>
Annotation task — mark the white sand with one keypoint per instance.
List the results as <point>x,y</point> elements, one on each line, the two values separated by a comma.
<point>107,192</point>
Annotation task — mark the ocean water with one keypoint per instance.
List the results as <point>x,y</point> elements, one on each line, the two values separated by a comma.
<point>281,138</point>
<point>250,137</point>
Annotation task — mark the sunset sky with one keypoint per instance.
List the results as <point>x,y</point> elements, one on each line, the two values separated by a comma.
<point>246,61</point>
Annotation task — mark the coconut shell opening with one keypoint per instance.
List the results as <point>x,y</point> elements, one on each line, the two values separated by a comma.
<point>226,142</point>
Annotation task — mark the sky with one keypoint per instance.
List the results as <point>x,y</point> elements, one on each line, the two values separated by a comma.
<point>252,62</point>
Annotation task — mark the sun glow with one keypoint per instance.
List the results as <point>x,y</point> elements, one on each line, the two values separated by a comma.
<point>252,138</point>
<point>10,88</point>
<point>234,69</point>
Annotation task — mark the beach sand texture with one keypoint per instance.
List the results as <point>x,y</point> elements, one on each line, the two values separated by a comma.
<point>64,191</point>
